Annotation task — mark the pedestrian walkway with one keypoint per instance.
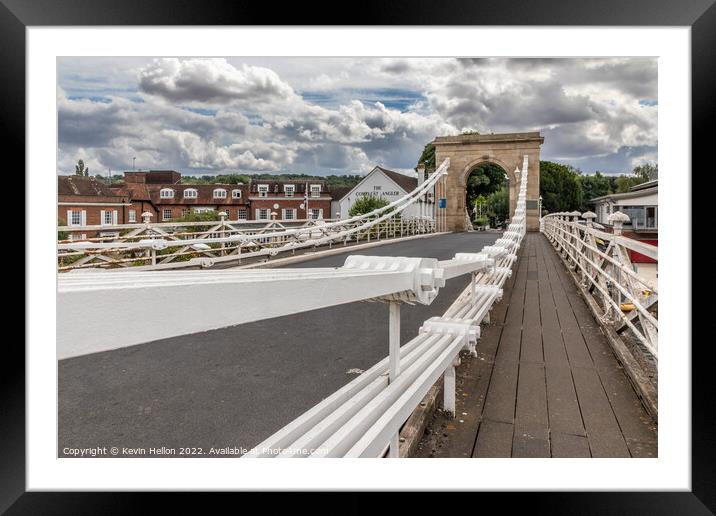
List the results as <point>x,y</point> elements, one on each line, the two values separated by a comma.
<point>545,382</point>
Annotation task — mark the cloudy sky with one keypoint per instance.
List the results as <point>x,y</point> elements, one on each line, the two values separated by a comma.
<point>346,115</point>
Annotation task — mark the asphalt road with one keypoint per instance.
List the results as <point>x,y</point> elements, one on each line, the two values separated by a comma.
<point>232,388</point>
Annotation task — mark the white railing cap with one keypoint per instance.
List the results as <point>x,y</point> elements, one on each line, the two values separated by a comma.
<point>619,216</point>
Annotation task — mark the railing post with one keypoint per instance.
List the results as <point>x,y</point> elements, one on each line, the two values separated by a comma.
<point>222,216</point>
<point>618,219</point>
<point>394,360</point>
<point>449,405</point>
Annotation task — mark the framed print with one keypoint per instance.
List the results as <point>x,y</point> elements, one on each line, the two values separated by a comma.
<point>435,242</point>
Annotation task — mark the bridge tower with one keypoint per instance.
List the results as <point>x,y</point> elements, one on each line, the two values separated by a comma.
<point>468,151</point>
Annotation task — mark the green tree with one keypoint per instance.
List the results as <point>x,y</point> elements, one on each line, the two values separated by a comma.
<point>366,204</point>
<point>647,171</point>
<point>484,180</point>
<point>498,206</point>
<point>231,179</point>
<point>80,169</point>
<point>428,156</point>
<point>625,182</point>
<point>194,216</point>
<point>592,186</point>
<point>559,187</point>
<point>62,235</point>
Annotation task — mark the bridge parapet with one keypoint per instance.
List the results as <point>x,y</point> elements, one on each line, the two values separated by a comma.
<point>601,261</point>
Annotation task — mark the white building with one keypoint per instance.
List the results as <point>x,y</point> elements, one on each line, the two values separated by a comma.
<point>389,185</point>
<point>640,203</point>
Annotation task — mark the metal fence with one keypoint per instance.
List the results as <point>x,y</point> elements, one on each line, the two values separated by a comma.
<point>628,300</point>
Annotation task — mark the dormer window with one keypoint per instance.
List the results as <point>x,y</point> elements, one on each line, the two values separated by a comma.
<point>263,190</point>
<point>315,190</point>
<point>219,193</point>
<point>289,190</point>
<point>236,194</point>
<point>166,193</point>
<point>190,193</point>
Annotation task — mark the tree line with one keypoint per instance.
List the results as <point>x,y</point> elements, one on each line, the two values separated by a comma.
<point>565,188</point>
<point>562,187</point>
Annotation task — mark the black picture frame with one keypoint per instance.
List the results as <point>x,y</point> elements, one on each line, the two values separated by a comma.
<point>700,15</point>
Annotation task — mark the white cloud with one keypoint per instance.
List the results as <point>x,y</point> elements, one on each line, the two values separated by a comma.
<point>320,115</point>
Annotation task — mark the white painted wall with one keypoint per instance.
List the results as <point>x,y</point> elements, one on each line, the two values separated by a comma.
<point>602,207</point>
<point>379,184</point>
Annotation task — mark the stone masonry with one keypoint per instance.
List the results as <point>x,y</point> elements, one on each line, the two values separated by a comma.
<point>507,150</point>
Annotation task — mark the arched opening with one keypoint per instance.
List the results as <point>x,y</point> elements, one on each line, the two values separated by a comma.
<point>487,195</point>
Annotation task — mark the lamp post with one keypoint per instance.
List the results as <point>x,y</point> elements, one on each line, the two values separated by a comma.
<point>540,207</point>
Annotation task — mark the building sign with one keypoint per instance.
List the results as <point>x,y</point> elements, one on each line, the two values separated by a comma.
<point>442,202</point>
<point>379,194</point>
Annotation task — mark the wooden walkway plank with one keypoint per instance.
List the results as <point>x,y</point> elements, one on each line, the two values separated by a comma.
<point>494,439</point>
<point>603,432</point>
<point>531,349</point>
<point>531,438</point>
<point>569,446</point>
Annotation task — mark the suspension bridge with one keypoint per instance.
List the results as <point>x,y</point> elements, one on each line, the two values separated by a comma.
<point>539,344</point>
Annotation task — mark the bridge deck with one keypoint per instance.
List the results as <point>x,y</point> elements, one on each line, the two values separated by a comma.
<point>545,382</point>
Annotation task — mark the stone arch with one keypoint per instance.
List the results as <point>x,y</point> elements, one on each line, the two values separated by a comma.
<point>468,151</point>
<point>470,167</point>
<point>483,161</point>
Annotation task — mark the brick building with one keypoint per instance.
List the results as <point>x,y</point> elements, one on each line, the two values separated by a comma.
<point>289,200</point>
<point>85,201</point>
<point>161,193</point>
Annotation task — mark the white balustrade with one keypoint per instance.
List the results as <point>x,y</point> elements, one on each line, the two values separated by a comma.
<point>601,260</point>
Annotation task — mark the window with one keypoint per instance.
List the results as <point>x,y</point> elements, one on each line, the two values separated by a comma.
<point>75,218</point>
<point>166,214</point>
<point>219,193</point>
<point>289,214</point>
<point>243,214</point>
<point>640,216</point>
<point>315,190</point>
<point>263,190</point>
<point>236,194</point>
<point>108,217</point>
<point>184,212</point>
<point>289,190</point>
<point>132,216</point>
<point>202,210</point>
<point>262,214</point>
<point>190,193</point>
<point>316,213</point>
<point>228,213</point>
<point>78,236</point>
<point>166,193</point>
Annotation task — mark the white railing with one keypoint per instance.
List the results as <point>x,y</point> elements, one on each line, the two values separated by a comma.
<point>167,245</point>
<point>601,260</point>
<point>364,417</point>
